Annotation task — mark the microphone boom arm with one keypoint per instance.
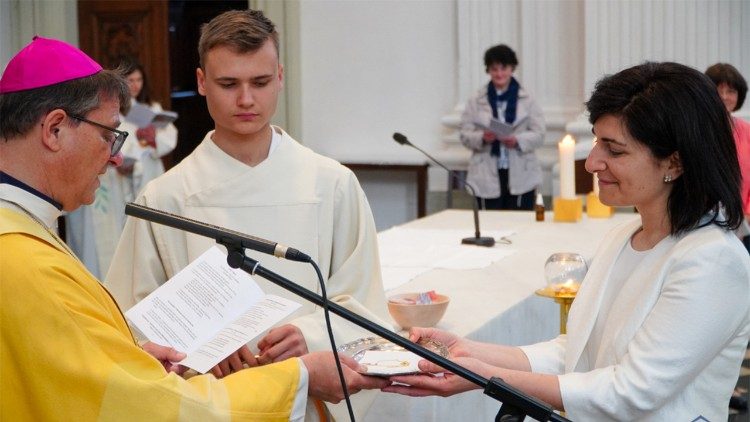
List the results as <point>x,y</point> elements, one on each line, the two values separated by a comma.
<point>477,239</point>
<point>208,230</point>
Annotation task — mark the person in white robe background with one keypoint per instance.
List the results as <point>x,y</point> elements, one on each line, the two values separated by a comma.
<point>250,176</point>
<point>150,144</point>
<point>660,325</point>
<point>94,230</point>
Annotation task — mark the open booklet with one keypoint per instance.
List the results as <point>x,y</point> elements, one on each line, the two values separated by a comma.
<point>208,310</point>
<point>500,128</point>
<point>142,116</point>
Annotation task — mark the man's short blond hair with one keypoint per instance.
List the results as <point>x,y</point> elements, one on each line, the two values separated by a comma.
<point>242,31</point>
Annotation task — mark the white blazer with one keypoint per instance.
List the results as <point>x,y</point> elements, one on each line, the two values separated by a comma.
<point>674,337</point>
<point>525,172</point>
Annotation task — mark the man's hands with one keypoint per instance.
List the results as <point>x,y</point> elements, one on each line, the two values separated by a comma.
<point>279,344</point>
<point>324,383</point>
<point>166,355</point>
<point>235,362</point>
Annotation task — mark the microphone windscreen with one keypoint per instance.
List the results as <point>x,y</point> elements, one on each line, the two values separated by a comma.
<point>401,139</point>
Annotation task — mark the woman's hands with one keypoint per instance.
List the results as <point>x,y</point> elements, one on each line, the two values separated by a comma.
<point>508,141</point>
<point>444,383</point>
<point>435,381</point>
<point>147,136</point>
<point>457,346</point>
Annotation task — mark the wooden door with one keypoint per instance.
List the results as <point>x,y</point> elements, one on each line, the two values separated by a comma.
<point>110,30</point>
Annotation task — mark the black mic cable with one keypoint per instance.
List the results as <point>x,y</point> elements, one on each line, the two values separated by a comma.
<point>327,316</point>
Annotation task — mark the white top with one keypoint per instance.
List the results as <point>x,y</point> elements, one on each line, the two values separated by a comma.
<point>673,335</point>
<point>628,259</point>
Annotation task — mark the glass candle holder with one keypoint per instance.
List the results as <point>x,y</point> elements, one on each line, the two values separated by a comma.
<point>564,272</point>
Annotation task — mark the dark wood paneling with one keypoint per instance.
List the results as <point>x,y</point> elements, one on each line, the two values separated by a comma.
<point>584,179</point>
<point>111,30</point>
<point>185,20</point>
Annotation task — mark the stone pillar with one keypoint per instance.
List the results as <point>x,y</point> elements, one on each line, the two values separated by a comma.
<point>620,34</point>
<point>20,20</point>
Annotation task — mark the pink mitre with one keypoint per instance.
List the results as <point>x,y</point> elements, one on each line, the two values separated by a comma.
<point>45,62</point>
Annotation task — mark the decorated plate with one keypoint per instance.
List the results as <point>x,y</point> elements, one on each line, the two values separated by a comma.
<point>383,358</point>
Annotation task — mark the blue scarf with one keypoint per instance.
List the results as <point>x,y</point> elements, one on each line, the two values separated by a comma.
<point>510,96</point>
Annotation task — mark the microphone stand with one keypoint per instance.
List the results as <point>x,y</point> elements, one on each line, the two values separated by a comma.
<point>516,405</point>
<point>477,239</point>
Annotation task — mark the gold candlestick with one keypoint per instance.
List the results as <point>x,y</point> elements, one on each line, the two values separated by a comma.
<point>564,298</point>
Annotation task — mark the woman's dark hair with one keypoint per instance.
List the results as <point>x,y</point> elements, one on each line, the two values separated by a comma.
<point>670,108</point>
<point>725,73</point>
<point>500,54</point>
<point>127,67</point>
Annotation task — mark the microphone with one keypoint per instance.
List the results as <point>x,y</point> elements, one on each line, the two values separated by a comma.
<point>215,232</point>
<point>477,239</point>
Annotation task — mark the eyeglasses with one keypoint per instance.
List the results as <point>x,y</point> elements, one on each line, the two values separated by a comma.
<point>116,143</point>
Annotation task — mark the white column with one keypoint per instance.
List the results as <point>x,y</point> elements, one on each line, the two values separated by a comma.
<point>20,20</point>
<point>620,34</point>
<point>697,33</point>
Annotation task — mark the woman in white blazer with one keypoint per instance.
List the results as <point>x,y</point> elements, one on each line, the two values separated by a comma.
<point>661,323</point>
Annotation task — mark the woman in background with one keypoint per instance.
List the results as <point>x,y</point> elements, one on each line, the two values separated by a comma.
<point>732,89</point>
<point>142,153</point>
<point>661,322</point>
<point>149,143</point>
<point>504,170</point>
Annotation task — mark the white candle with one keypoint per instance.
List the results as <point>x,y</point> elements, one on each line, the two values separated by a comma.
<point>567,167</point>
<point>596,184</point>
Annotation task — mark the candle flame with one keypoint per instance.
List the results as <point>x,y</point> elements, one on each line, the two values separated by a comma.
<point>568,139</point>
<point>569,286</point>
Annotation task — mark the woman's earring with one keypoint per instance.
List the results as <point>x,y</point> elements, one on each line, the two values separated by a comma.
<point>667,178</point>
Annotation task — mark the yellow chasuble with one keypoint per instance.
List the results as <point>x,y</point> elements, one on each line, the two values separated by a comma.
<point>66,352</point>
